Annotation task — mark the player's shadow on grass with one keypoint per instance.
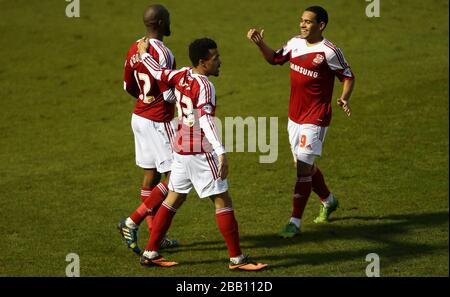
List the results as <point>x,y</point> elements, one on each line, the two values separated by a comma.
<point>384,234</point>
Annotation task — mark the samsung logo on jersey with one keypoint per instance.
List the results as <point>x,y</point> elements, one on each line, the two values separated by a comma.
<point>304,71</point>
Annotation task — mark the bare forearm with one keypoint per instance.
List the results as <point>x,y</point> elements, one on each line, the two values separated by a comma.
<point>347,89</point>
<point>267,52</point>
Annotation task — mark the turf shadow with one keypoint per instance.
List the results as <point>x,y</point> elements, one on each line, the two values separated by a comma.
<point>384,233</point>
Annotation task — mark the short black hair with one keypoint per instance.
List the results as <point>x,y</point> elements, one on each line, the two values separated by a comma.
<point>199,49</point>
<point>321,13</point>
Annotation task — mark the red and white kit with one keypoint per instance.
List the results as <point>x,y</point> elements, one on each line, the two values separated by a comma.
<point>313,71</point>
<point>197,144</point>
<point>152,119</point>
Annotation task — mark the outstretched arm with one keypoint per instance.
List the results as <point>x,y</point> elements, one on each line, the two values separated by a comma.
<point>150,63</point>
<point>258,38</point>
<point>161,74</point>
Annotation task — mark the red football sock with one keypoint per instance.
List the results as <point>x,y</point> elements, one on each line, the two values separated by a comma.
<point>157,196</point>
<point>318,185</point>
<point>139,214</point>
<point>161,224</point>
<point>228,226</point>
<point>301,195</point>
<point>145,193</point>
<point>159,193</point>
<point>150,218</point>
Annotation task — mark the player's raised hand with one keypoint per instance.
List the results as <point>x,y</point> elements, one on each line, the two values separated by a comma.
<point>143,45</point>
<point>255,36</point>
<point>345,105</point>
<point>223,167</point>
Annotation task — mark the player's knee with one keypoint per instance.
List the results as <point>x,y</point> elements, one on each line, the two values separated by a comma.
<point>182,199</point>
<point>305,168</point>
<point>222,200</point>
<point>166,176</point>
<point>308,159</point>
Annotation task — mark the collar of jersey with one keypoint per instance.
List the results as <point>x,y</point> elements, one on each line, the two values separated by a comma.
<point>196,74</point>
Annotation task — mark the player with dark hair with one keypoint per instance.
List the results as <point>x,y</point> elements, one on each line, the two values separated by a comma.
<point>152,123</point>
<point>314,63</point>
<point>199,157</point>
<point>321,14</point>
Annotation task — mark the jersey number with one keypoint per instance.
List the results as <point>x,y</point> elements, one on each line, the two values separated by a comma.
<point>187,113</point>
<point>147,86</point>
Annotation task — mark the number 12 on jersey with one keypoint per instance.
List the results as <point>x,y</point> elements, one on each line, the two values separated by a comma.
<point>146,88</point>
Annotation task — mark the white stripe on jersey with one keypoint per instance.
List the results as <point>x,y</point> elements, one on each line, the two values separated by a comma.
<point>210,133</point>
<point>212,125</point>
<point>152,65</point>
<point>164,57</point>
<point>297,47</point>
<point>174,72</point>
<point>206,92</point>
<point>150,62</point>
<point>202,93</point>
<point>337,52</point>
<point>208,89</point>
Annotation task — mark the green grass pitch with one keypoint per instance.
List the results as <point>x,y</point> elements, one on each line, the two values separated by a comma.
<point>67,170</point>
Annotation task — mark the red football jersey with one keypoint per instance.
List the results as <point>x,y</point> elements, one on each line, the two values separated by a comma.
<point>313,69</point>
<point>149,92</point>
<point>196,103</point>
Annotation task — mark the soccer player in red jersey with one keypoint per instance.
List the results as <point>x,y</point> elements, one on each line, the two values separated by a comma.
<point>152,123</point>
<point>314,63</point>
<point>199,156</point>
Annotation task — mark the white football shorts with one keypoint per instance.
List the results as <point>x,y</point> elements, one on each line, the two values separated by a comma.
<point>306,141</point>
<point>153,143</point>
<point>200,171</point>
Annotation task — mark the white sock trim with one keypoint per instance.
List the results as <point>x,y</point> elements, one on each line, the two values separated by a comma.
<point>130,224</point>
<point>296,222</point>
<point>150,254</point>
<point>329,201</point>
<point>224,209</point>
<point>237,260</point>
<point>169,207</point>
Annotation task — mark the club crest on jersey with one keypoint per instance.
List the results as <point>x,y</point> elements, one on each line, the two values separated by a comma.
<point>318,59</point>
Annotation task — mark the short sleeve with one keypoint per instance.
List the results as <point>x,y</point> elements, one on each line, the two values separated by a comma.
<point>207,93</point>
<point>282,55</point>
<point>337,63</point>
